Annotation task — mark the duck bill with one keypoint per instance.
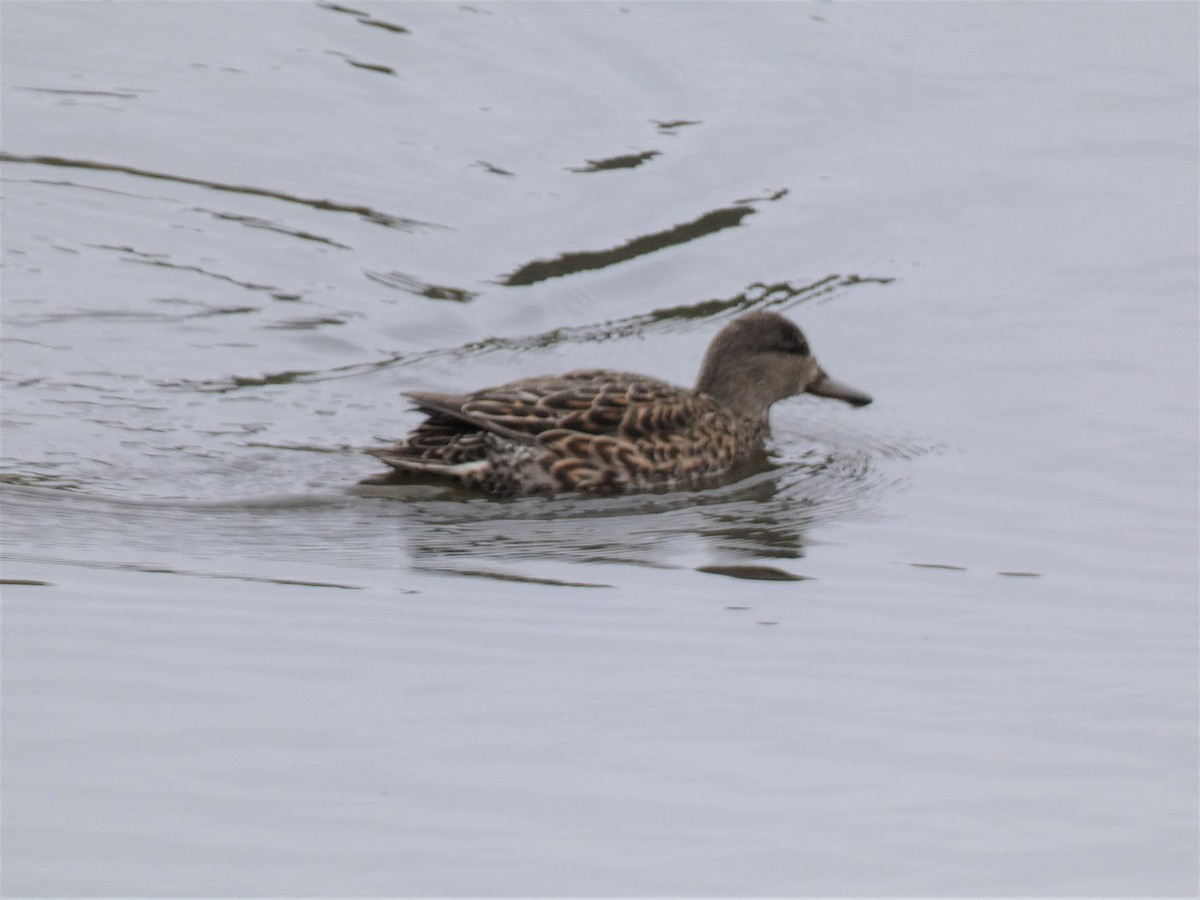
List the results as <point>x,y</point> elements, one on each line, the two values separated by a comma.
<point>825,386</point>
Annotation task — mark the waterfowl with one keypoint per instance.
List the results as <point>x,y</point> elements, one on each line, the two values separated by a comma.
<point>599,432</point>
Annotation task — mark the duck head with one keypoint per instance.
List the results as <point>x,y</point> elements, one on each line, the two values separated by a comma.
<point>761,358</point>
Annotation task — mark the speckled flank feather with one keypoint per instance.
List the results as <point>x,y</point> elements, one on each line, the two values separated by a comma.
<point>599,431</point>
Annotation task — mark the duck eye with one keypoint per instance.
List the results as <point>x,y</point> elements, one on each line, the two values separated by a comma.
<point>799,348</point>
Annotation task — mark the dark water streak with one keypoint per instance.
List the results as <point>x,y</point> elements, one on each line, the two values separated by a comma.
<point>366,212</point>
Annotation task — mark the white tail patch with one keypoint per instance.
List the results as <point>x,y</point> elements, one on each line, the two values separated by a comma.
<point>457,470</point>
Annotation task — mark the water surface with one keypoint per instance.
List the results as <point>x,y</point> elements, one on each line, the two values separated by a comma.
<point>943,644</point>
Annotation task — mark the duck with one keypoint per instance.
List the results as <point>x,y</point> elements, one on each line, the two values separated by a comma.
<point>598,431</point>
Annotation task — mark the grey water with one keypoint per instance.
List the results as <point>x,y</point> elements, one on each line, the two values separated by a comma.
<point>942,645</point>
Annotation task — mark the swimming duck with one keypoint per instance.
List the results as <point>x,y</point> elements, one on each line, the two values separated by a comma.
<point>602,432</point>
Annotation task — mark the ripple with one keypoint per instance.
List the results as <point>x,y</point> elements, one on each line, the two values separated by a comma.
<point>766,514</point>
<point>756,296</point>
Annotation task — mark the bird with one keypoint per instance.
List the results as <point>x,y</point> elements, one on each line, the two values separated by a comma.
<point>598,431</point>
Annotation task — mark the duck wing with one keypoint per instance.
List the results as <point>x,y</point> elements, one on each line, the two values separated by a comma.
<point>593,402</point>
<point>453,413</point>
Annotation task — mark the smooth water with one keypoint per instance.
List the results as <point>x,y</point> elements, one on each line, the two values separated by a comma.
<point>945,644</point>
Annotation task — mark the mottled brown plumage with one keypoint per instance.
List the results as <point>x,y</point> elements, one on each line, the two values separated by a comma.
<point>599,431</point>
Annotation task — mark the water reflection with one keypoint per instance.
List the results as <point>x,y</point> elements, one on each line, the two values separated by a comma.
<point>583,261</point>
